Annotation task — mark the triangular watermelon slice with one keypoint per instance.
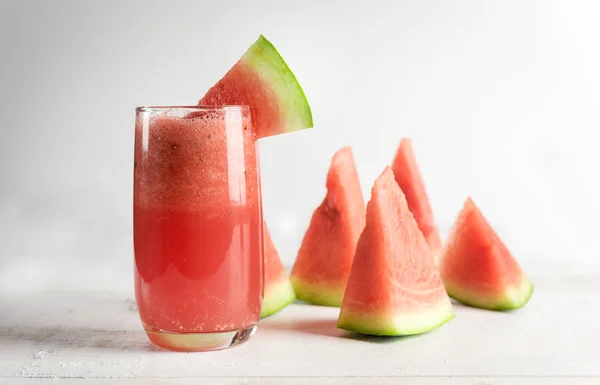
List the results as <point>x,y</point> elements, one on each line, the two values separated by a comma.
<point>262,80</point>
<point>325,257</point>
<point>394,287</point>
<point>278,288</point>
<point>478,269</point>
<point>408,177</point>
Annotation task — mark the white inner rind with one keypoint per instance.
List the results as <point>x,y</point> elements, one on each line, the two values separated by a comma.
<point>389,324</point>
<point>325,295</point>
<point>268,63</point>
<point>509,298</point>
<point>279,296</point>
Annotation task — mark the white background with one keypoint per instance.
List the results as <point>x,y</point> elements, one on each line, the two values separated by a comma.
<point>501,99</point>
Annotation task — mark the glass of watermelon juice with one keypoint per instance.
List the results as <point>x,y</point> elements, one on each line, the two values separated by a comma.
<point>197,221</point>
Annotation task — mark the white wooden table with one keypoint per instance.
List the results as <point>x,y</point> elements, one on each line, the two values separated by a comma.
<point>94,337</point>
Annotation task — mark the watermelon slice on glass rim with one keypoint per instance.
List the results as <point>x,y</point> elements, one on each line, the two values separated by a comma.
<point>262,80</point>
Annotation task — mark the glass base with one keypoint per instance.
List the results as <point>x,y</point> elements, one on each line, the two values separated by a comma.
<point>199,342</point>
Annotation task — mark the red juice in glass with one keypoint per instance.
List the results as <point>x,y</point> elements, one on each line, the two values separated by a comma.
<point>197,226</point>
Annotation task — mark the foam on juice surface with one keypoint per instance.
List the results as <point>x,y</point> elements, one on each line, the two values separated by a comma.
<point>205,160</point>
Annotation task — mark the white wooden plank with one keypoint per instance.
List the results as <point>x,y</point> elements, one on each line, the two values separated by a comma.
<point>308,381</point>
<point>92,335</point>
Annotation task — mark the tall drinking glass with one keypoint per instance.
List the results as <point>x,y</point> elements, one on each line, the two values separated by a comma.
<point>198,235</point>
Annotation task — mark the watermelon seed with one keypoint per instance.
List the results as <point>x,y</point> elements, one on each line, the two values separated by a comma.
<point>174,147</point>
<point>331,210</point>
<point>245,128</point>
<point>135,164</point>
<point>208,136</point>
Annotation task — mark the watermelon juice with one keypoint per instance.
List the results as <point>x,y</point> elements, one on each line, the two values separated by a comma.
<point>198,237</point>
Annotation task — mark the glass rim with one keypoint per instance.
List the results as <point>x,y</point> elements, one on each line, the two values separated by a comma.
<point>208,108</point>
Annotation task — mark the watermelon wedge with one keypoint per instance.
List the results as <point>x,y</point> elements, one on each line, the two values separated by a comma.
<point>408,177</point>
<point>394,287</point>
<point>262,80</point>
<point>478,269</point>
<point>278,288</point>
<point>325,257</point>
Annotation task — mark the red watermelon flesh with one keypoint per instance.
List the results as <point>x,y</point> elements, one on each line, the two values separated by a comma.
<point>408,177</point>
<point>325,257</point>
<point>394,287</point>
<point>278,288</point>
<point>262,80</point>
<point>478,269</point>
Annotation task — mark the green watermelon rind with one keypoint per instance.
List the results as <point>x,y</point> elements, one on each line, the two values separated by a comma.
<point>511,299</point>
<point>280,295</point>
<point>319,294</point>
<point>365,322</point>
<point>264,58</point>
